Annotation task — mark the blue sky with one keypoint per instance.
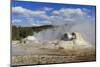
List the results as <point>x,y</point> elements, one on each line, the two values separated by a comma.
<point>55,6</point>
<point>48,9</point>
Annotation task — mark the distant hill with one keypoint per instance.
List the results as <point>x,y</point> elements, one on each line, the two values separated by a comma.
<point>19,32</point>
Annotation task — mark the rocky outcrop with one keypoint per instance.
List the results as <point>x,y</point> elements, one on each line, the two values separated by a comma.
<point>76,41</point>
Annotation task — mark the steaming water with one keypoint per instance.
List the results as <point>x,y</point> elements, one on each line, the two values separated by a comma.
<point>87,30</point>
<point>54,33</point>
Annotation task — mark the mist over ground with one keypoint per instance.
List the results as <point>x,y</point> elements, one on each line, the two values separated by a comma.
<point>87,30</point>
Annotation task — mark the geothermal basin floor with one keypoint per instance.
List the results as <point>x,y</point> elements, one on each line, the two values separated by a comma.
<point>32,55</point>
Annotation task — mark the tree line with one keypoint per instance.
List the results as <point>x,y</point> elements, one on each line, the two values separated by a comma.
<point>19,33</point>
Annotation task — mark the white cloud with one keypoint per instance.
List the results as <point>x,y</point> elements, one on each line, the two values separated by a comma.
<point>69,12</point>
<point>26,12</point>
<point>58,17</point>
<point>56,12</point>
<point>30,14</point>
<point>16,20</point>
<point>67,16</point>
<point>48,8</point>
<point>72,11</point>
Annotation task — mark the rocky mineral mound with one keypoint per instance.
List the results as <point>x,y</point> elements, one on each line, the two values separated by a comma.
<point>77,42</point>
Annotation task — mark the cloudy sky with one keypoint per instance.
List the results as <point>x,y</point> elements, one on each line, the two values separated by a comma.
<point>35,14</point>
